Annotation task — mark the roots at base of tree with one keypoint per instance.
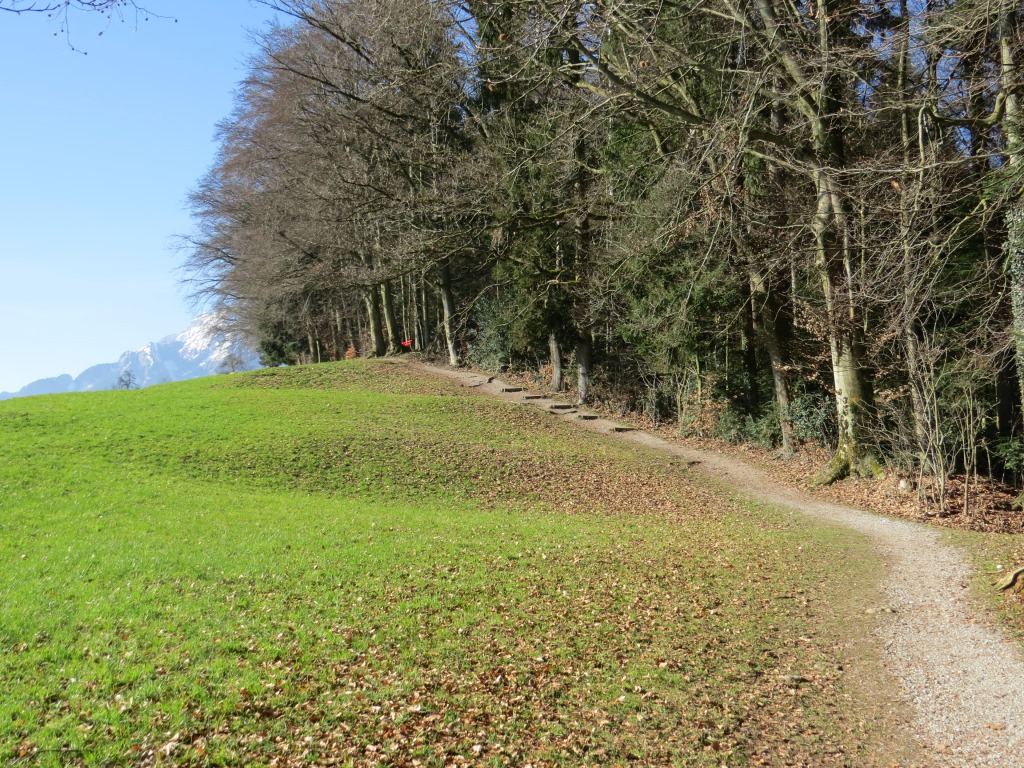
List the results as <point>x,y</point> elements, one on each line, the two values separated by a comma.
<point>847,461</point>
<point>1011,581</point>
<point>783,454</point>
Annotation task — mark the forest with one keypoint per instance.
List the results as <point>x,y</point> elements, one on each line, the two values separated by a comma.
<point>783,222</point>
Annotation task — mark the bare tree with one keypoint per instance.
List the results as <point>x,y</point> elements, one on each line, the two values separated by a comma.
<point>127,380</point>
<point>726,199</point>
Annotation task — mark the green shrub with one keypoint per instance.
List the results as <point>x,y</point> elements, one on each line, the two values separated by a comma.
<point>814,418</point>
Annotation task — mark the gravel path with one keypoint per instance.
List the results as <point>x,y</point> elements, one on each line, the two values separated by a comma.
<point>963,678</point>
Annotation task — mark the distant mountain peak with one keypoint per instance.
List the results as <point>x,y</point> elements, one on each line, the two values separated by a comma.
<point>202,349</point>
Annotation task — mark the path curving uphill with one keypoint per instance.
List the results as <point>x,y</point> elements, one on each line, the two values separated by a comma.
<point>963,678</point>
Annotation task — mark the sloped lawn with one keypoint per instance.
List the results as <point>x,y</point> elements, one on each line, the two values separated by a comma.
<point>348,564</point>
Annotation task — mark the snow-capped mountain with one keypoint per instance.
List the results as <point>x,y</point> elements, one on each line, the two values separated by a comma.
<point>200,350</point>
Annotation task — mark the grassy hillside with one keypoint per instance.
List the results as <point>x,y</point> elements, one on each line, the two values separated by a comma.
<point>348,564</point>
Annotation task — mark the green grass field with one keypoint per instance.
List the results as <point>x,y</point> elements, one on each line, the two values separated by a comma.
<point>349,564</point>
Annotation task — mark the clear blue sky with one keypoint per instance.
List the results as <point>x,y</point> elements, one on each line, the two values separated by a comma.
<point>98,153</point>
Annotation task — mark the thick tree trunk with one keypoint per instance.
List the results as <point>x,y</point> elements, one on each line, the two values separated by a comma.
<point>394,340</point>
<point>820,103</point>
<point>584,354</point>
<point>1015,216</point>
<point>1015,265</point>
<point>852,454</point>
<point>853,397</point>
<point>448,305</point>
<point>766,307</point>
<point>557,378</point>
<point>376,328</point>
<point>312,347</point>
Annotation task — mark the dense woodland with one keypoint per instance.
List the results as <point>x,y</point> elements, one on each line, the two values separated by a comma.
<point>783,222</point>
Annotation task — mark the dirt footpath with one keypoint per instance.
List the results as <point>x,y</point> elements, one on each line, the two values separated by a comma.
<point>963,679</point>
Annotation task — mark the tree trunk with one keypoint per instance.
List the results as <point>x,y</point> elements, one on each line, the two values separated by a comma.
<point>425,326</point>
<point>414,297</point>
<point>405,331</point>
<point>821,102</point>
<point>853,455</point>
<point>376,329</point>
<point>1015,216</point>
<point>766,306</point>
<point>394,341</point>
<point>750,366</point>
<point>353,339</point>
<point>1015,268</point>
<point>557,380</point>
<point>584,351</point>
<point>448,305</point>
<point>1008,390</point>
<point>360,331</point>
<point>913,196</point>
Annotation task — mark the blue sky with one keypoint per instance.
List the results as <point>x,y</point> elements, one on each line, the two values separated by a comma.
<point>98,153</point>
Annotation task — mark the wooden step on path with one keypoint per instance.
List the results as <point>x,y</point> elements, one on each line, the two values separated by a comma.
<point>586,416</point>
<point>560,407</point>
<point>620,428</point>
<point>513,389</point>
<point>533,397</point>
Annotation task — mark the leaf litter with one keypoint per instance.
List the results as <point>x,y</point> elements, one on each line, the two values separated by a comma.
<point>600,608</point>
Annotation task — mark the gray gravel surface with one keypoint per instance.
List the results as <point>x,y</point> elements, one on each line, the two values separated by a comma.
<point>962,677</point>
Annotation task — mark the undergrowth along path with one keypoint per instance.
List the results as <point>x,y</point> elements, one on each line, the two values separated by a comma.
<point>963,678</point>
